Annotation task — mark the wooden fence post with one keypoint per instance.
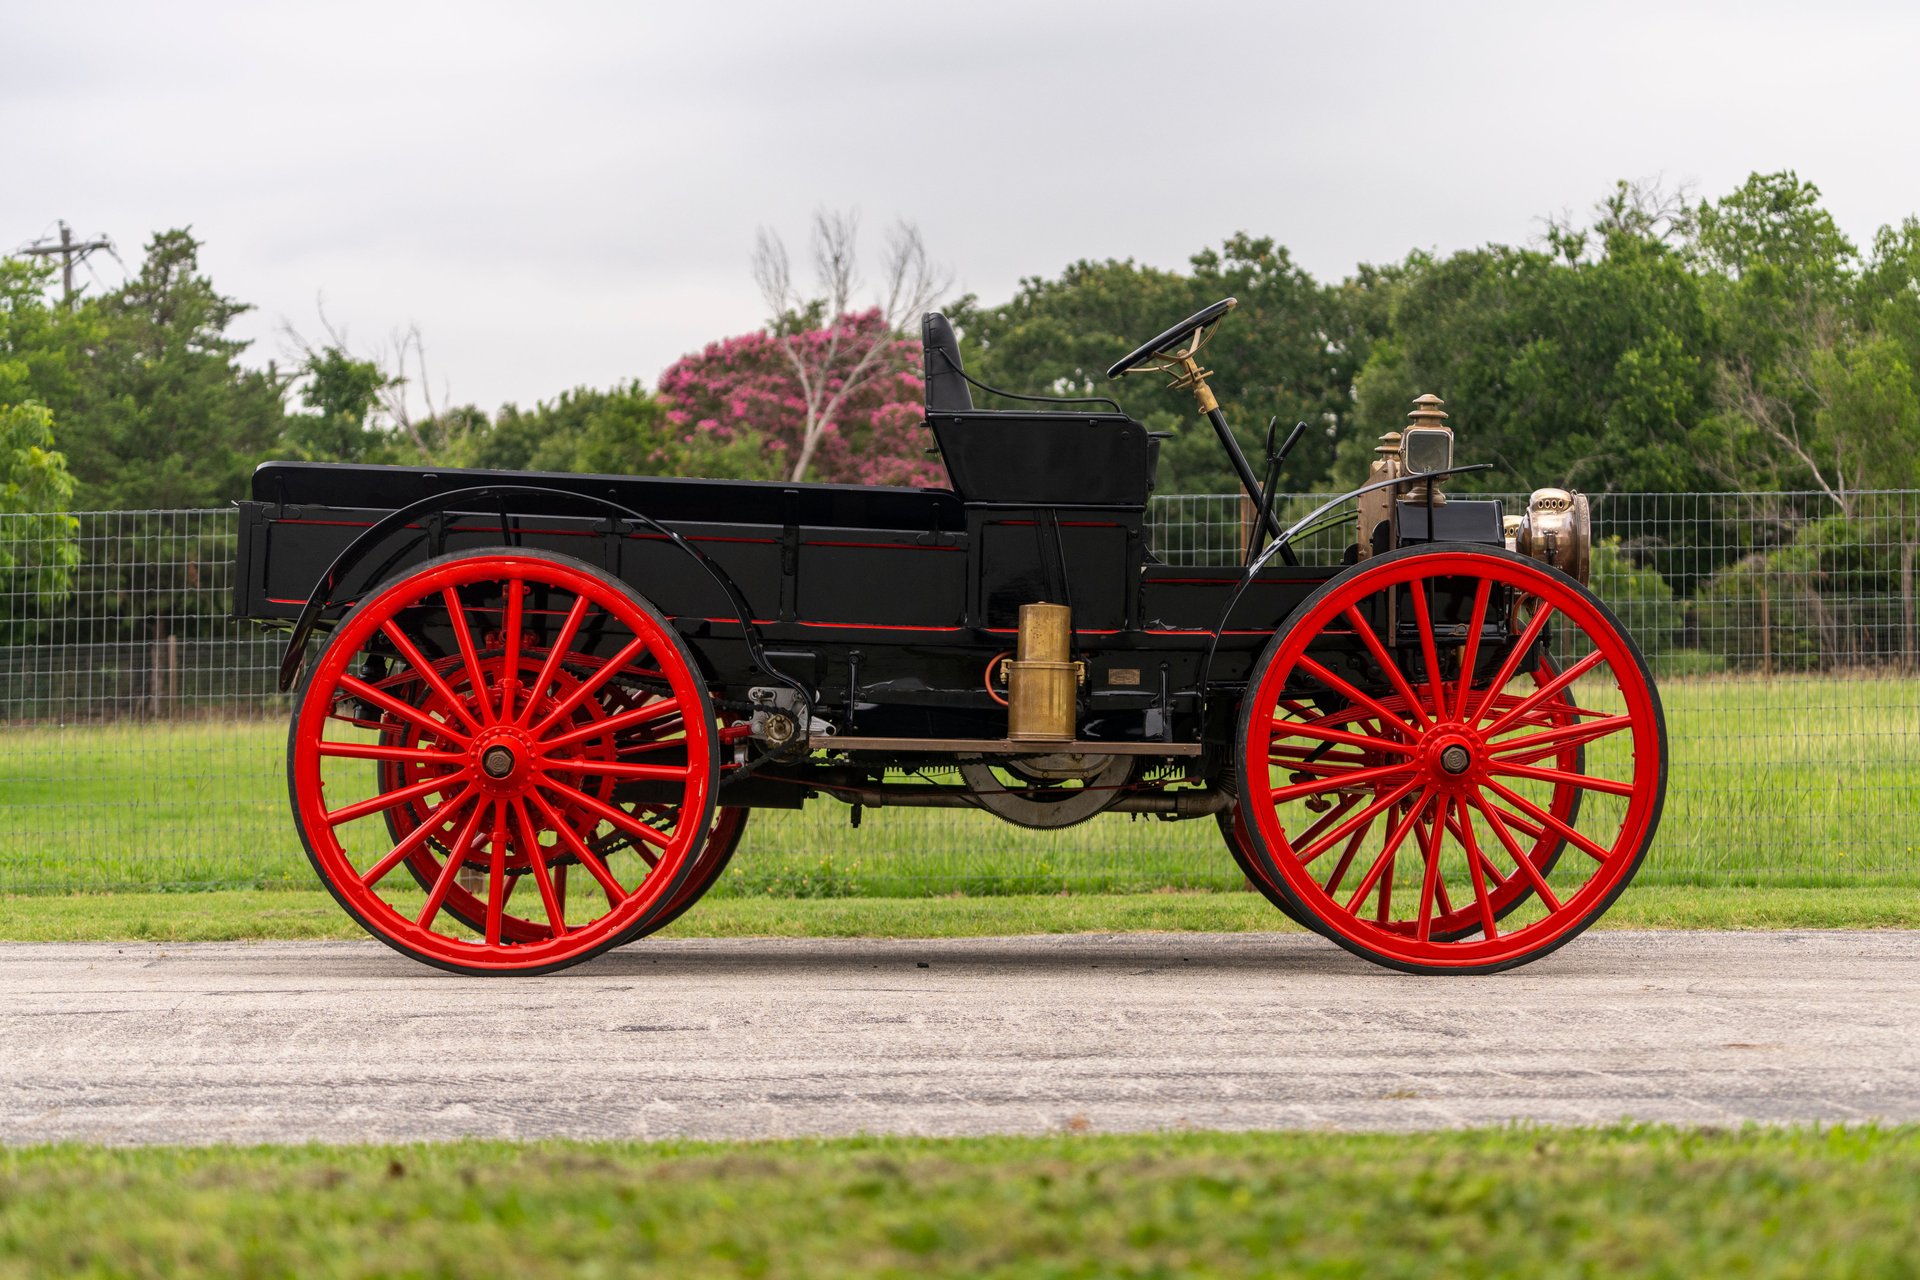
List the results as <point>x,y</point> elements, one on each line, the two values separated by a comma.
<point>1908,657</point>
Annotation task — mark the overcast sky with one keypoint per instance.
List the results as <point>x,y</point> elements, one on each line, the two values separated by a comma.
<point>567,193</point>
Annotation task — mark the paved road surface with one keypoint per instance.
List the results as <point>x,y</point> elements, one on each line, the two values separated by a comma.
<point>348,1041</point>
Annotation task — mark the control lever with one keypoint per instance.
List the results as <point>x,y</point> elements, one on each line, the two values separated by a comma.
<point>1274,458</point>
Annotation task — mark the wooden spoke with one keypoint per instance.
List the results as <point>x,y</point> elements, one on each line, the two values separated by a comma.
<point>1423,619</point>
<point>537,863</point>
<point>586,688</point>
<point>1521,646</point>
<point>412,715</point>
<point>399,755</point>
<point>510,669</point>
<point>388,799</point>
<point>1346,689</point>
<point>435,819</point>
<point>1379,806</point>
<point>1387,665</point>
<point>607,813</point>
<point>1345,778</point>
<point>1545,691</point>
<point>1287,728</point>
<point>569,628</point>
<point>463,635</point>
<point>617,723</point>
<point>1346,858</point>
<point>1562,736</point>
<point>1562,778</point>
<point>617,769</point>
<point>1471,653</point>
<point>1430,874</point>
<point>1525,864</point>
<point>456,856</point>
<point>497,873</point>
<point>1385,860</point>
<point>597,868</point>
<point>1534,811</point>
<point>431,674</point>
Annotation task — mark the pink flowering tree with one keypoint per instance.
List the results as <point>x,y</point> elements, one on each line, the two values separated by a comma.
<point>864,385</point>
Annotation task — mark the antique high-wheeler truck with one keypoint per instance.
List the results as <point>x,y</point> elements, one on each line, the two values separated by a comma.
<point>546,705</point>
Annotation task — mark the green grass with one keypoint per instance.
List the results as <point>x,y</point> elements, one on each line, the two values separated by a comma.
<point>252,914</point>
<point>1493,1202</point>
<point>1804,781</point>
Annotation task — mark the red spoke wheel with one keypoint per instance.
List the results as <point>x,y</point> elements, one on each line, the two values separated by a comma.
<point>536,827</point>
<point>1234,831</point>
<point>466,900</point>
<point>1453,759</point>
<point>729,825</point>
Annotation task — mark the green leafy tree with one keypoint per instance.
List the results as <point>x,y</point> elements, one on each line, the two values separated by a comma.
<point>1290,350</point>
<point>39,546</point>
<point>342,395</point>
<point>1816,386</point>
<point>36,339</point>
<point>1588,365</point>
<point>623,430</point>
<point>162,413</point>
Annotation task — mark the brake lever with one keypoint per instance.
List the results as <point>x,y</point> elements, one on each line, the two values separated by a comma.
<point>1276,457</point>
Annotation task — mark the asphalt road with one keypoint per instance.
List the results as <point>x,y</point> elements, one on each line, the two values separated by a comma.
<point>347,1041</point>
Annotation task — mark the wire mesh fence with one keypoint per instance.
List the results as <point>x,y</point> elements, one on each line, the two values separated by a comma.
<point>142,740</point>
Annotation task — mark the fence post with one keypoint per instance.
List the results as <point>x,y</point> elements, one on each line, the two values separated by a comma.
<point>1766,625</point>
<point>1908,657</point>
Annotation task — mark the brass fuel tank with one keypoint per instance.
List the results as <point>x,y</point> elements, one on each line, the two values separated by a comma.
<point>1042,678</point>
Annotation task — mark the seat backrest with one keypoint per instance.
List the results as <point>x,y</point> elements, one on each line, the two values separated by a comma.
<point>940,353</point>
<point>1048,459</point>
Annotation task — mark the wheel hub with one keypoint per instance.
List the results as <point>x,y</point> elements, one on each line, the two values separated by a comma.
<point>1449,757</point>
<point>505,759</point>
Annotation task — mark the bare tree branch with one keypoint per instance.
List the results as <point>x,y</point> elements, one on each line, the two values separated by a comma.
<point>852,355</point>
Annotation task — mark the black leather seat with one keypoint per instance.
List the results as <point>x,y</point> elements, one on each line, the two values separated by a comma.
<point>940,354</point>
<point>1045,457</point>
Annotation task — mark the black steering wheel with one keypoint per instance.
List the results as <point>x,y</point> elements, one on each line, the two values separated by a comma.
<point>1172,337</point>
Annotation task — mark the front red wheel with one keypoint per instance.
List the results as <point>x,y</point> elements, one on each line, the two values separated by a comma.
<point>1452,759</point>
<point>535,826</point>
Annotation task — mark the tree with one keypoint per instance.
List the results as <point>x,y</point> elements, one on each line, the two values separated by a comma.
<point>832,354</point>
<point>39,546</point>
<point>619,431</point>
<point>342,395</point>
<point>1290,350</point>
<point>1588,368</point>
<point>743,398</point>
<point>1811,389</point>
<point>36,338</point>
<point>162,414</point>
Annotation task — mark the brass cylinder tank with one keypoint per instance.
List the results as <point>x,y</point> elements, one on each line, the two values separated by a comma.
<point>1042,678</point>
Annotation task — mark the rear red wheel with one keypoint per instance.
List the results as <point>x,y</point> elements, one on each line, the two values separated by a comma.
<point>729,825</point>
<point>1233,829</point>
<point>480,686</point>
<point>1425,737</point>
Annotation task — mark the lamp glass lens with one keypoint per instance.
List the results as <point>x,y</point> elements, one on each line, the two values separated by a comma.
<point>1427,449</point>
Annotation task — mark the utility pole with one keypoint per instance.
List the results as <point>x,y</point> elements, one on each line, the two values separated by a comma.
<point>71,253</point>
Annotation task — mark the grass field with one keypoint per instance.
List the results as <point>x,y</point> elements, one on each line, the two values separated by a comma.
<point>236,915</point>
<point>1506,1202</point>
<point>1792,782</point>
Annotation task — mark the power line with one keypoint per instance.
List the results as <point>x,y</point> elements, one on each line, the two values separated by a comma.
<point>71,253</point>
